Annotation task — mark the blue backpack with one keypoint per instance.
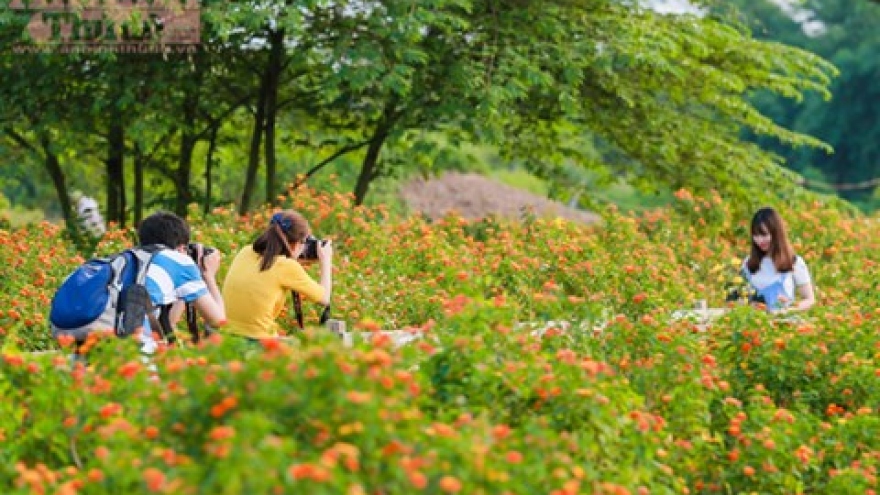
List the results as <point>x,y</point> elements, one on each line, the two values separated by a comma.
<point>103,294</point>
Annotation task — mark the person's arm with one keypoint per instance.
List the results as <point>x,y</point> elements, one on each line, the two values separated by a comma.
<point>807,297</point>
<point>804,283</point>
<point>325,260</point>
<point>210,305</point>
<point>176,312</point>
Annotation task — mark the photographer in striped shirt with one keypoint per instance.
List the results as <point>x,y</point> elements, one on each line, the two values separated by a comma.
<point>176,277</point>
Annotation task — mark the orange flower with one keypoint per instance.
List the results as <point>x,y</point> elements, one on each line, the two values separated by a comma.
<point>683,195</point>
<point>299,471</point>
<point>13,359</point>
<point>129,369</point>
<point>804,454</point>
<point>358,397</point>
<point>221,433</point>
<point>418,480</point>
<point>500,432</point>
<point>110,409</point>
<point>441,430</point>
<point>369,325</point>
<point>68,488</point>
<point>309,471</point>
<point>450,484</point>
<point>154,479</point>
<point>271,345</point>
<point>65,341</point>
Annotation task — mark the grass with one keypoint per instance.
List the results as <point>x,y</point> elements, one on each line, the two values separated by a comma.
<point>17,217</point>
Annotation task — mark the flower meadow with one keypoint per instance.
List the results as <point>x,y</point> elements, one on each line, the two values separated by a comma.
<point>609,396</point>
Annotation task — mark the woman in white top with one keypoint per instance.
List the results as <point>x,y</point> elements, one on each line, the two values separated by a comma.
<point>773,269</point>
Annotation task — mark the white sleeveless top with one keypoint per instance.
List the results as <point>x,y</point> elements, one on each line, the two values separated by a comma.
<point>767,274</point>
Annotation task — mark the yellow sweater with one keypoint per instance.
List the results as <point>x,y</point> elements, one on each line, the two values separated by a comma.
<point>254,299</point>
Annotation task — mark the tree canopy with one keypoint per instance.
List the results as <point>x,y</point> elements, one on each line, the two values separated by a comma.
<point>844,33</point>
<point>376,88</point>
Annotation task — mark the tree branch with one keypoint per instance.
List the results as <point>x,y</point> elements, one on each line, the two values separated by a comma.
<point>312,171</point>
<point>19,139</point>
<point>865,184</point>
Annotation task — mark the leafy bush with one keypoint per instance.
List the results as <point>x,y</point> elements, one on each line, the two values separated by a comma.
<point>601,392</point>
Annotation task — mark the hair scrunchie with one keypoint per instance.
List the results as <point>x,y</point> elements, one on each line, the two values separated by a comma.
<point>284,223</point>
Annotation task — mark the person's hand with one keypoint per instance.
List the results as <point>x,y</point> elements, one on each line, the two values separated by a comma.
<point>325,252</point>
<point>783,300</point>
<point>210,262</point>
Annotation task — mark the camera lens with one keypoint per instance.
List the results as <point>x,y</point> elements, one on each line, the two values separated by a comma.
<point>310,249</point>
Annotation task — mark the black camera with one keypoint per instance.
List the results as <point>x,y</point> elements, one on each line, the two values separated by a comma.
<point>193,250</point>
<point>310,251</point>
<point>751,295</point>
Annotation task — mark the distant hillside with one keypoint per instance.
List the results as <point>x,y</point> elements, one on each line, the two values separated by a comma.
<point>474,196</point>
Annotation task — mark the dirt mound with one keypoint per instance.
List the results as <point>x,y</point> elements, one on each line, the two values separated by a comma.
<point>473,197</point>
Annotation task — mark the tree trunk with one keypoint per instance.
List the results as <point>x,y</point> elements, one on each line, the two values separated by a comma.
<point>53,167</point>
<point>369,168</point>
<point>115,171</point>
<point>254,155</point>
<point>209,166</point>
<point>138,208</point>
<point>188,140</point>
<point>184,166</point>
<point>189,136</point>
<point>273,77</point>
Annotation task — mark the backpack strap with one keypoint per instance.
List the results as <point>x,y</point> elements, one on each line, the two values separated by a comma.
<point>115,284</point>
<point>144,256</point>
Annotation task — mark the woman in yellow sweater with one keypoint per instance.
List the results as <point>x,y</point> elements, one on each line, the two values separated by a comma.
<point>263,274</point>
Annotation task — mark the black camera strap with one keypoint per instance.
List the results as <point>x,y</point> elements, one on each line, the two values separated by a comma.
<point>165,324</point>
<point>297,308</point>
<point>192,324</point>
<point>167,330</point>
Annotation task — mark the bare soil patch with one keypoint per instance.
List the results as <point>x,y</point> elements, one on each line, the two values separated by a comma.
<point>474,197</point>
